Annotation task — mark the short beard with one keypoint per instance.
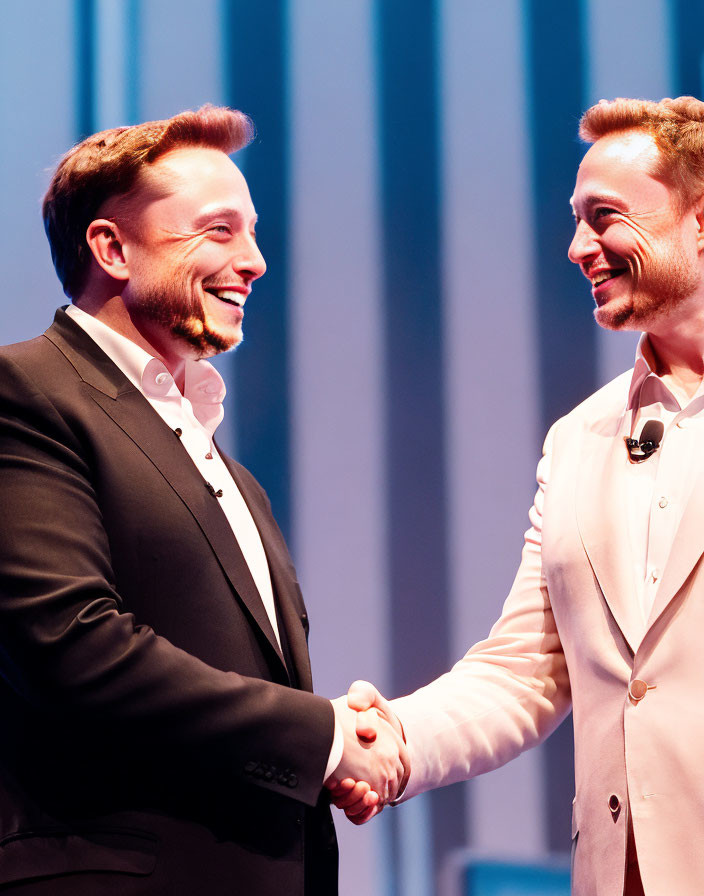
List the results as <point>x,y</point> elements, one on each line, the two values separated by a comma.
<point>657,291</point>
<point>184,319</point>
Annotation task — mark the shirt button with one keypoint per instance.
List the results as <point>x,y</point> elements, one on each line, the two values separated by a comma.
<point>682,423</point>
<point>662,502</point>
<point>654,574</point>
<point>614,803</point>
<point>161,378</point>
<point>208,456</point>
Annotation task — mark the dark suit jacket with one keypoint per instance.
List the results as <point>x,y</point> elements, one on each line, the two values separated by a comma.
<point>152,735</point>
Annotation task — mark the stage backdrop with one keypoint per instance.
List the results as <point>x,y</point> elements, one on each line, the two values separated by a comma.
<point>419,326</point>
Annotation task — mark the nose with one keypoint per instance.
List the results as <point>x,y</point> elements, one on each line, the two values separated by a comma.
<point>584,244</point>
<point>250,262</point>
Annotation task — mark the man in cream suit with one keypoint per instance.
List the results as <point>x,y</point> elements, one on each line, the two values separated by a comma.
<point>606,614</point>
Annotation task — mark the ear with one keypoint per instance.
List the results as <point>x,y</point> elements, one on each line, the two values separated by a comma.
<point>699,214</point>
<point>103,237</point>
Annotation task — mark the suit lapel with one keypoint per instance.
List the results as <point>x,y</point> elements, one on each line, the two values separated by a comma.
<point>128,408</point>
<point>289,601</point>
<point>601,517</point>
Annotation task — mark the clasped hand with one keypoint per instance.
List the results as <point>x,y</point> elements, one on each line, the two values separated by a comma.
<point>375,764</point>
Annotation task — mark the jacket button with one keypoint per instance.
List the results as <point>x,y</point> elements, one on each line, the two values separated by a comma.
<point>292,781</point>
<point>637,689</point>
<point>250,766</point>
<point>614,803</point>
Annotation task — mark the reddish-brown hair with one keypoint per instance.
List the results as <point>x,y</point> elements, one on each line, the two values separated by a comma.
<point>110,164</point>
<point>676,125</point>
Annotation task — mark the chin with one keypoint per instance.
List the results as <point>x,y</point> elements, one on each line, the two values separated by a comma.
<point>613,316</point>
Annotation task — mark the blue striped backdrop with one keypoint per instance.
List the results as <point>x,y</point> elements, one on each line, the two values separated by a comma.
<point>419,326</point>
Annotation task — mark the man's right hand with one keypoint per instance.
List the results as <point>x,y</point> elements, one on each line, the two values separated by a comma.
<point>373,767</point>
<point>376,728</point>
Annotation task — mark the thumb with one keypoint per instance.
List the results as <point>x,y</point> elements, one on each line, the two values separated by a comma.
<point>362,695</point>
<point>365,699</point>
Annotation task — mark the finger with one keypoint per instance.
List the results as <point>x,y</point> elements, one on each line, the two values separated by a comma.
<point>365,816</point>
<point>353,797</point>
<point>341,788</point>
<point>368,801</point>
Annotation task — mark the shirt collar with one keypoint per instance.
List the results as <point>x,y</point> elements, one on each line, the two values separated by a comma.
<point>204,387</point>
<point>644,366</point>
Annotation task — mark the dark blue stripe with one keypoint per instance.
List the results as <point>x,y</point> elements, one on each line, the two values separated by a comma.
<point>687,30</point>
<point>567,332</point>
<point>84,13</point>
<point>408,123</point>
<point>254,42</point>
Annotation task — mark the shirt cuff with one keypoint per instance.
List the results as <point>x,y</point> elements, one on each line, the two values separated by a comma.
<point>338,745</point>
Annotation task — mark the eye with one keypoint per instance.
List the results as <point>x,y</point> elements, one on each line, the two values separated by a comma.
<point>603,211</point>
<point>220,228</point>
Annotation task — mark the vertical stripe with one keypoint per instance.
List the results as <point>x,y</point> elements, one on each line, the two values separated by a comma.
<point>111,81</point>
<point>687,28</point>
<point>338,500</point>
<point>410,183</point>
<point>84,12</point>
<point>132,61</point>
<point>493,398</point>
<point>566,331</point>
<point>255,42</point>
<point>623,61</point>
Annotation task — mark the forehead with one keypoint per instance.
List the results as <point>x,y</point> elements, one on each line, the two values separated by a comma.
<point>621,165</point>
<point>191,180</point>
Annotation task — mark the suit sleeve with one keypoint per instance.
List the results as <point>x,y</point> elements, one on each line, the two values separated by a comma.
<point>506,694</point>
<point>69,651</point>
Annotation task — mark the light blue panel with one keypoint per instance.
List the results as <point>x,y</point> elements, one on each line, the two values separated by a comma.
<point>337,421</point>
<point>38,114</point>
<point>492,389</point>
<point>112,36</point>
<point>180,56</point>
<point>415,874</point>
<point>624,60</point>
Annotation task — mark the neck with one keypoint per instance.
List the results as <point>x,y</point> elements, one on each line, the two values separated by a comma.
<point>152,338</point>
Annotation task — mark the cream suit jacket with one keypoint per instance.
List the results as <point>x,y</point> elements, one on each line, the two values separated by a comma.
<point>571,634</point>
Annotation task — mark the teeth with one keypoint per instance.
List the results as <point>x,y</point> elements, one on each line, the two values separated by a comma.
<point>601,277</point>
<point>229,295</point>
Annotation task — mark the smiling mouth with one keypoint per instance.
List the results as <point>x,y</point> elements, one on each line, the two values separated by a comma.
<point>605,276</point>
<point>229,296</point>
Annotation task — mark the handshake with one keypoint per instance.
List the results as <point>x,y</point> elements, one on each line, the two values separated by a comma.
<point>375,764</point>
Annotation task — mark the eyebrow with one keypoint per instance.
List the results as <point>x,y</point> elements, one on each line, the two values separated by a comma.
<point>224,211</point>
<point>598,199</point>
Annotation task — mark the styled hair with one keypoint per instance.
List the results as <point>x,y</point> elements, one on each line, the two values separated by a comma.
<point>676,125</point>
<point>112,163</point>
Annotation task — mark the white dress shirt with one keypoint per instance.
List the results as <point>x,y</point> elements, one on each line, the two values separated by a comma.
<point>658,488</point>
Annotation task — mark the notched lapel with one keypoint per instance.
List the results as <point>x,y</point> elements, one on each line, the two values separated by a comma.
<point>601,517</point>
<point>130,410</point>
<point>289,601</point>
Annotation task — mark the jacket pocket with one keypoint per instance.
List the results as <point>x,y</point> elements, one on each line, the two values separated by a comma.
<point>29,854</point>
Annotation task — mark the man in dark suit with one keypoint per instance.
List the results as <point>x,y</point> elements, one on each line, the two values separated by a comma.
<point>160,734</point>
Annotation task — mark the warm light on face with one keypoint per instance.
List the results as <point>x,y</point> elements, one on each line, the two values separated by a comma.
<point>193,255</point>
<point>631,240</point>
